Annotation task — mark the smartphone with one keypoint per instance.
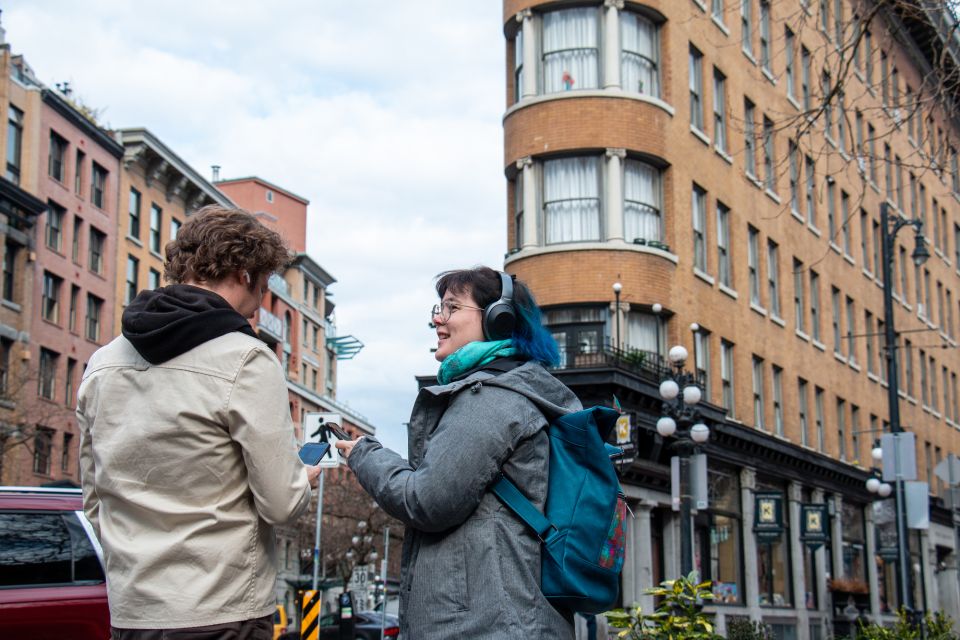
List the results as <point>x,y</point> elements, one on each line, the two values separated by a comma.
<point>311,452</point>
<point>338,433</point>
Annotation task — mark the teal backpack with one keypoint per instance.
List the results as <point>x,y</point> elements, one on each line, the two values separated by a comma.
<point>583,528</point>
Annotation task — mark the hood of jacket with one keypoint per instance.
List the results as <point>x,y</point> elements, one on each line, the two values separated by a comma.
<point>164,323</point>
<point>531,380</point>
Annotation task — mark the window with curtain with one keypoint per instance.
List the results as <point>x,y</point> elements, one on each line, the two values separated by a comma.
<point>641,201</point>
<point>570,50</point>
<point>643,331</point>
<point>640,55</point>
<point>518,211</point>
<point>717,545</point>
<point>571,205</point>
<point>518,66</point>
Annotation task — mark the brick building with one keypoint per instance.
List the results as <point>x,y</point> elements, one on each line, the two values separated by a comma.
<point>724,162</point>
<point>158,191</point>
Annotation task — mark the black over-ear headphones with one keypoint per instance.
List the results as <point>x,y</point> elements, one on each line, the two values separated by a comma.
<point>499,318</point>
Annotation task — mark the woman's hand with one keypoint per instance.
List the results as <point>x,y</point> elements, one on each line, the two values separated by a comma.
<point>313,475</point>
<point>346,447</point>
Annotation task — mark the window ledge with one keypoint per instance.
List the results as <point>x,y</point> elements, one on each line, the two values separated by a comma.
<point>840,357</point>
<point>849,258</point>
<point>814,230</point>
<point>768,75</point>
<point>868,273</point>
<point>727,290</point>
<point>852,363</point>
<point>872,376</point>
<point>803,336</point>
<point>135,241</point>
<point>749,56</point>
<point>874,186</point>
<point>819,345</point>
<point>723,154</point>
<point>703,137</point>
<point>773,196</point>
<point>793,101</point>
<point>778,320</point>
<point>610,245</point>
<point>10,305</point>
<point>912,400</point>
<point>706,277</point>
<point>797,216</point>
<point>612,92</point>
<point>720,25</point>
<point>700,4</point>
<point>835,247</point>
<point>755,307</point>
<point>156,254</point>
<point>754,179</point>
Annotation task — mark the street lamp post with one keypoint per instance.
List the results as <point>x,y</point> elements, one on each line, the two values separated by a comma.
<point>617,288</point>
<point>889,227</point>
<point>681,417</point>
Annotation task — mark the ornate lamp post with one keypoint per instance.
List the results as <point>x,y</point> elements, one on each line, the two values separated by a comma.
<point>889,227</point>
<point>681,418</point>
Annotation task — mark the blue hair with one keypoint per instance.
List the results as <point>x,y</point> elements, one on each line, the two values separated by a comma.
<point>530,337</point>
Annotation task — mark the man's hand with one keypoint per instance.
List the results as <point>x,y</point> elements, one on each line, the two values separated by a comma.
<point>313,475</point>
<point>346,447</point>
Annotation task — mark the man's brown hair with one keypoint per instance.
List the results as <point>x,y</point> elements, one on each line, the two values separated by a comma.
<point>217,241</point>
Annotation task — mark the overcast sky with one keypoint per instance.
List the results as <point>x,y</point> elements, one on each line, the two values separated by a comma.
<point>386,115</point>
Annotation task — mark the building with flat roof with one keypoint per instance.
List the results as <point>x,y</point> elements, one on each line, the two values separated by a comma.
<point>724,163</point>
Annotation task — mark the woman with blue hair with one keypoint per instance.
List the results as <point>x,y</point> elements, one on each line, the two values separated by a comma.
<point>470,567</point>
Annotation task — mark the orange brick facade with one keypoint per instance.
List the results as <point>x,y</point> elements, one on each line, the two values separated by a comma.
<point>605,121</point>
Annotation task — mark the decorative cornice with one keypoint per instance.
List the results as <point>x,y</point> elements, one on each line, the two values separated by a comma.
<point>523,14</point>
<point>617,4</point>
<point>158,167</point>
<point>176,187</point>
<point>524,162</point>
<point>618,152</point>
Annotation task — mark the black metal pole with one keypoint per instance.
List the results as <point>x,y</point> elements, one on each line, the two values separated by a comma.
<point>686,543</point>
<point>887,237</point>
<point>617,294</point>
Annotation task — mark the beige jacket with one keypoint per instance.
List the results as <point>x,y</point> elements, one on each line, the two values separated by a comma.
<point>187,466</point>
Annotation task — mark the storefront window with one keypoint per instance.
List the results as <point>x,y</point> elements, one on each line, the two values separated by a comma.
<point>810,596</point>
<point>854,549</point>
<point>885,526</point>
<point>773,558</point>
<point>718,552</point>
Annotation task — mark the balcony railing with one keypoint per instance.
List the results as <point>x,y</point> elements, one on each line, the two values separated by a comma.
<point>648,365</point>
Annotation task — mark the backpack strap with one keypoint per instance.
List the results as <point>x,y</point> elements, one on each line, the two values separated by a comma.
<point>511,496</point>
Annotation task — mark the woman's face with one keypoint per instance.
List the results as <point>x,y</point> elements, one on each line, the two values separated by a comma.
<point>459,322</point>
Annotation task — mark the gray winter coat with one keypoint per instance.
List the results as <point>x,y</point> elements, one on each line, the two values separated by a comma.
<point>470,567</point>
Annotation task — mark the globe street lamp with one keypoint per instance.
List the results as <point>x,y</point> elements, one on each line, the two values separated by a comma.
<point>681,418</point>
<point>889,227</point>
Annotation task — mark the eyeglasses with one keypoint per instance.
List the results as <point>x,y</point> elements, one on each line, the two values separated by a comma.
<point>446,308</point>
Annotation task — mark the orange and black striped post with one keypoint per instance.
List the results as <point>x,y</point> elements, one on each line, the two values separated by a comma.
<point>310,620</point>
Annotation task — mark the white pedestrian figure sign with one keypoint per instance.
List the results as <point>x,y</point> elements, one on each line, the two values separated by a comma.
<point>317,428</point>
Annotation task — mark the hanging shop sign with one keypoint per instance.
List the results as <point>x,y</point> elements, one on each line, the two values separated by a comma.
<point>814,531</point>
<point>768,516</point>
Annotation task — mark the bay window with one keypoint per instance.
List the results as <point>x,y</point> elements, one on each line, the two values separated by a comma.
<point>571,188</point>
<point>570,50</point>
<point>641,201</point>
<point>639,55</point>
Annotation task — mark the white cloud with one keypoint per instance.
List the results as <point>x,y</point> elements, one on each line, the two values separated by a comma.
<point>385,115</point>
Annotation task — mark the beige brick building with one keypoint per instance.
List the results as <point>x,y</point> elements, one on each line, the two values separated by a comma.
<point>725,163</point>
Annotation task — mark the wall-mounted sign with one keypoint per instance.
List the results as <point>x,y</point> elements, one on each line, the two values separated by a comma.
<point>768,516</point>
<point>814,529</point>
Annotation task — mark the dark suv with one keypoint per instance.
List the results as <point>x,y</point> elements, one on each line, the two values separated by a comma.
<point>52,584</point>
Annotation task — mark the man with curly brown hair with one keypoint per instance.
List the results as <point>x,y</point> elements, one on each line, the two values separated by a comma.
<point>187,447</point>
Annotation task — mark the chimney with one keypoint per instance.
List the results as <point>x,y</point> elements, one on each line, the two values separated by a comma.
<point>216,172</point>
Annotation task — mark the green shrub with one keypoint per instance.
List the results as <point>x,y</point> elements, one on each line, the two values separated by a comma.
<point>678,617</point>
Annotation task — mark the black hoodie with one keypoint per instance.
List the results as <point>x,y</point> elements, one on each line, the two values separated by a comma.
<point>166,322</point>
